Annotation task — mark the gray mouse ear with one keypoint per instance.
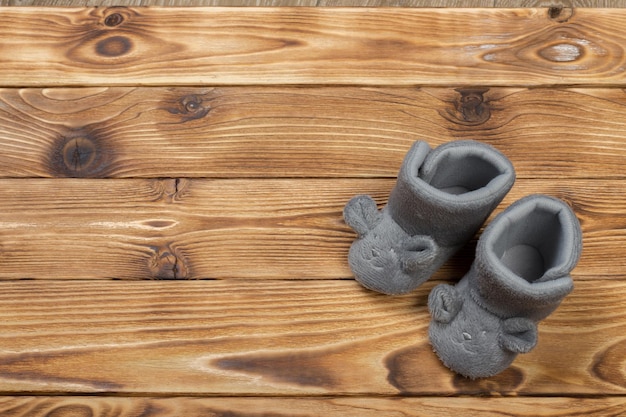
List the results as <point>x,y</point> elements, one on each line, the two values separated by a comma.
<point>418,252</point>
<point>361,214</point>
<point>519,335</point>
<point>444,303</point>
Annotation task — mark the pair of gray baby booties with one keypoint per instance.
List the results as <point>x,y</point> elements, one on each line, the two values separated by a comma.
<point>521,270</point>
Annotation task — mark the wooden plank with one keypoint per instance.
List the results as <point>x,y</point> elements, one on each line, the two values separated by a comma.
<point>173,229</point>
<point>302,132</point>
<point>320,3</point>
<point>356,46</point>
<point>292,229</point>
<point>249,3</point>
<point>287,338</point>
<point>336,406</point>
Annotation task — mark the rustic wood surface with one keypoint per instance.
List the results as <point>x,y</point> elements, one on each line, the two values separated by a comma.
<point>257,228</point>
<point>302,131</point>
<point>282,338</point>
<point>307,407</point>
<point>410,46</point>
<point>171,189</point>
<point>323,3</point>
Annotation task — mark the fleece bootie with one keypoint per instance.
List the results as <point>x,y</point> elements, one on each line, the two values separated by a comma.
<point>440,200</point>
<point>519,277</point>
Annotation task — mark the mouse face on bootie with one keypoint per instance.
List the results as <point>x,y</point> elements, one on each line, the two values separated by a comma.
<point>470,340</point>
<point>384,258</point>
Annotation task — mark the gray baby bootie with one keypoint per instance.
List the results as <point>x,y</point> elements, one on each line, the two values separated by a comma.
<point>440,200</point>
<point>519,277</point>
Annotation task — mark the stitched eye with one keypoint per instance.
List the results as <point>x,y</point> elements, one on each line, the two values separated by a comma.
<point>467,336</point>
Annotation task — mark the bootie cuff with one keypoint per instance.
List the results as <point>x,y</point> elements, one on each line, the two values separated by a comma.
<point>447,193</point>
<point>524,258</point>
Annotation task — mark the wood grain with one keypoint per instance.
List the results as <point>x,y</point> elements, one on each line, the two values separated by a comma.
<point>290,338</point>
<point>322,3</point>
<point>302,131</point>
<point>272,228</point>
<point>355,46</point>
<point>303,407</point>
<point>171,188</point>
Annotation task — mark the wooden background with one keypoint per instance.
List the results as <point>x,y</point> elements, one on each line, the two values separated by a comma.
<point>171,188</point>
<point>326,3</point>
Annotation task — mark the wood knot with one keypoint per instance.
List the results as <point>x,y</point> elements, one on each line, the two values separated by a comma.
<point>470,107</point>
<point>192,104</point>
<point>114,16</point>
<point>193,107</point>
<point>79,156</point>
<point>566,48</point>
<point>560,13</point>
<point>114,46</point>
<point>168,263</point>
<point>562,52</point>
<point>170,190</point>
<point>114,19</point>
<point>190,107</point>
<point>79,153</point>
